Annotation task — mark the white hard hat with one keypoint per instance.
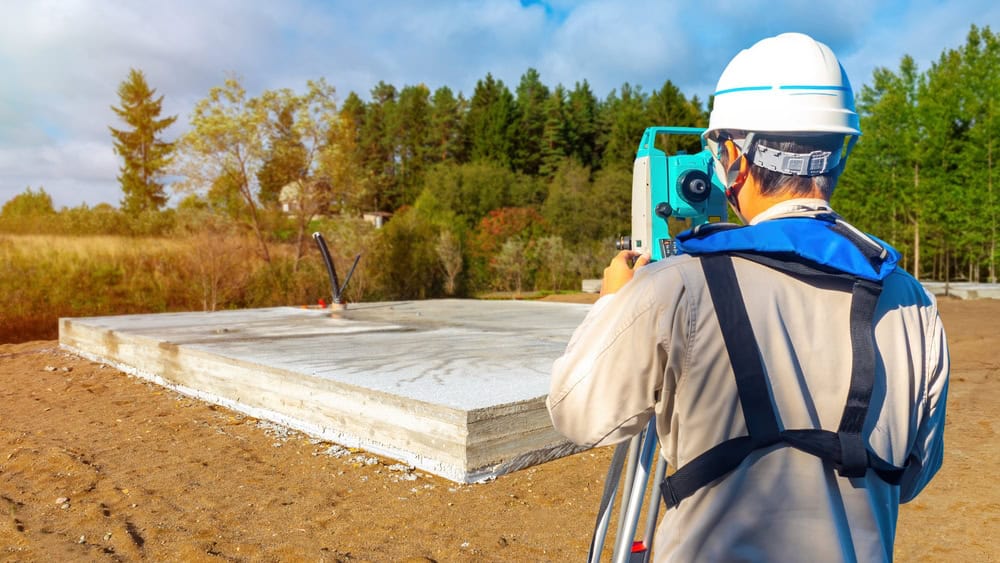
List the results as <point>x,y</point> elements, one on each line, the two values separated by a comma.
<point>790,83</point>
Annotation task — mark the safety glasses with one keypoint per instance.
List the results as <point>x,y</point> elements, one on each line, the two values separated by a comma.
<point>726,168</point>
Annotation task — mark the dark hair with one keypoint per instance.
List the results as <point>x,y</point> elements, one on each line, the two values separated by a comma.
<point>775,183</point>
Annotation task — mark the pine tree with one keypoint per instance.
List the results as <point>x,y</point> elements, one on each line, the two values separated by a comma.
<point>581,125</point>
<point>624,119</point>
<point>446,126</point>
<point>980,78</point>
<point>146,156</point>
<point>379,148</point>
<point>412,133</point>
<point>668,106</point>
<point>554,149</point>
<point>341,162</point>
<point>285,161</point>
<point>880,188</point>
<point>947,225</point>
<point>530,122</point>
<point>489,122</point>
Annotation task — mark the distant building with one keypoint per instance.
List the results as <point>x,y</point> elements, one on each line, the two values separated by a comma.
<point>288,197</point>
<point>377,218</point>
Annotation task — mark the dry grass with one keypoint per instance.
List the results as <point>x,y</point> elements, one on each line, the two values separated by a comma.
<point>89,245</point>
<point>43,278</point>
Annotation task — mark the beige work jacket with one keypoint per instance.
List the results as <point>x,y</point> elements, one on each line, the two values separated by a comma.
<point>655,348</point>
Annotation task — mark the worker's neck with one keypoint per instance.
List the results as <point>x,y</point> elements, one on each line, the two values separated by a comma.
<point>753,202</point>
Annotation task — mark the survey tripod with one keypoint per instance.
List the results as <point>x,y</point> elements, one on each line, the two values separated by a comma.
<point>635,457</point>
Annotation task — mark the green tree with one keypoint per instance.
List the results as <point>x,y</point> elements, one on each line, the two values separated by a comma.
<point>407,258</point>
<point>313,117</point>
<point>353,109</point>
<point>582,112</point>
<point>341,164</point>
<point>529,122</point>
<point>225,148</point>
<point>285,159</point>
<point>873,167</point>
<point>472,190</point>
<point>412,133</point>
<point>979,83</point>
<point>446,139</point>
<point>354,188</point>
<point>449,251</point>
<point>624,119</point>
<point>489,122</point>
<point>947,223</point>
<point>571,209</point>
<point>668,106</point>
<point>378,147</point>
<point>146,156</point>
<point>28,204</point>
<point>881,183</point>
<point>27,211</point>
<point>612,197</point>
<point>511,266</point>
<point>555,146</point>
<point>905,150</point>
<point>557,263</point>
<point>495,229</point>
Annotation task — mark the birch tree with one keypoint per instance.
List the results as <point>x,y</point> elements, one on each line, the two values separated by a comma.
<point>227,140</point>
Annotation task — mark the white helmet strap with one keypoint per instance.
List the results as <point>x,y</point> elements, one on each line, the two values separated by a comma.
<point>815,163</point>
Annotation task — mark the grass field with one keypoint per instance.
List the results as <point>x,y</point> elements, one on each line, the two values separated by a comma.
<point>45,277</point>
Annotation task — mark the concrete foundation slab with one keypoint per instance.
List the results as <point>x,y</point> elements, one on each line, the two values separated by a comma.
<point>453,387</point>
<point>964,290</point>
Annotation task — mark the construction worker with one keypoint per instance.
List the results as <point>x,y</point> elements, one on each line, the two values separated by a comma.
<point>798,376</point>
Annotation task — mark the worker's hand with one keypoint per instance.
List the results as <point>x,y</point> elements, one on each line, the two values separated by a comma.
<point>621,270</point>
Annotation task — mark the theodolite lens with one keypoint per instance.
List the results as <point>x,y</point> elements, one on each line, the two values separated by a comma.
<point>695,186</point>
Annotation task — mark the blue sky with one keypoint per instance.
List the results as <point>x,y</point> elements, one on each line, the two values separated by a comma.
<point>61,60</point>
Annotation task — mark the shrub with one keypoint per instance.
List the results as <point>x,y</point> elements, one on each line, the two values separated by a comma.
<point>404,264</point>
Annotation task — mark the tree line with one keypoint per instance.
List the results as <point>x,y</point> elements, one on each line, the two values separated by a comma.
<point>922,176</point>
<point>504,190</point>
<point>563,154</point>
<point>527,188</point>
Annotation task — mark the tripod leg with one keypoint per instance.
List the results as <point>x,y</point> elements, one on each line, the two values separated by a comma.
<point>623,543</point>
<point>607,503</point>
<point>633,460</point>
<point>654,507</point>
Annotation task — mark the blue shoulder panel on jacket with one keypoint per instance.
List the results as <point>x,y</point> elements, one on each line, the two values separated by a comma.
<point>810,239</point>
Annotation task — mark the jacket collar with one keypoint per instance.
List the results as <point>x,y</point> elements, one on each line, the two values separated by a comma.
<point>793,208</point>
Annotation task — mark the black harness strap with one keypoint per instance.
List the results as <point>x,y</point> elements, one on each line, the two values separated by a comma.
<point>846,448</point>
<point>854,454</point>
<point>704,469</point>
<point>751,382</point>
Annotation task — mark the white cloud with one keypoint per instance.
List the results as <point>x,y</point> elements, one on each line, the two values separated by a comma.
<point>924,31</point>
<point>73,172</point>
<point>608,43</point>
<point>62,60</point>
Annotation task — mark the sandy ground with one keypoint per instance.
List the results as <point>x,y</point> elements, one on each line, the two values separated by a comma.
<point>98,466</point>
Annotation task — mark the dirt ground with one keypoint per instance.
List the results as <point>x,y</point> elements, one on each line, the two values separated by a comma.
<point>99,466</point>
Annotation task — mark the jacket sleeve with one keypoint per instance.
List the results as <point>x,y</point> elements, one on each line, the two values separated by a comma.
<point>928,449</point>
<point>604,387</point>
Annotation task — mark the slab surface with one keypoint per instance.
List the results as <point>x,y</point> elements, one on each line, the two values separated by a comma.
<point>456,387</point>
<point>964,290</point>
